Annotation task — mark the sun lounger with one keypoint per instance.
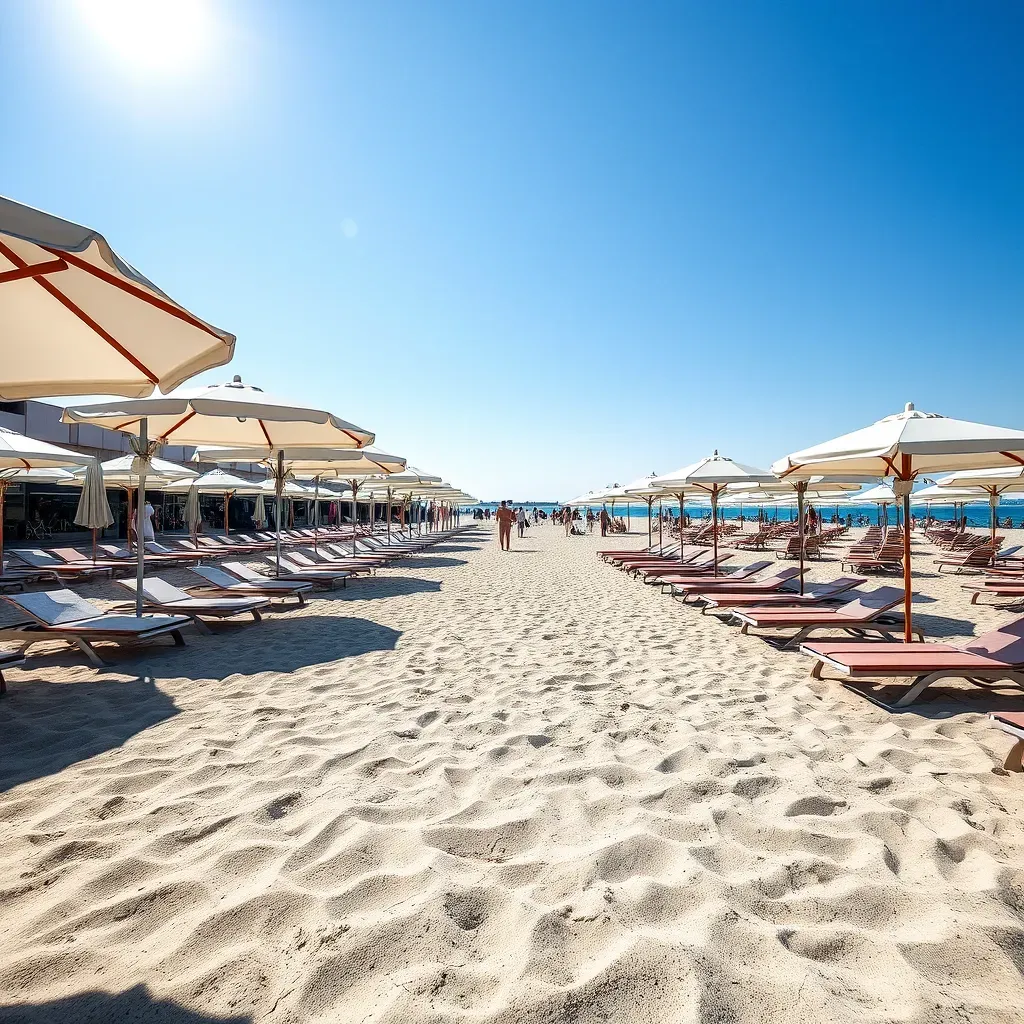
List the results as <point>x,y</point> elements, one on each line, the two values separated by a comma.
<point>181,554</point>
<point>767,585</point>
<point>980,557</point>
<point>626,560</point>
<point>9,659</point>
<point>745,574</point>
<point>1006,588</point>
<point>163,596</point>
<point>670,568</point>
<point>359,564</point>
<point>221,582</point>
<point>39,559</point>
<point>861,614</point>
<point>72,556</point>
<point>888,557</point>
<point>1011,722</point>
<point>325,578</point>
<point>814,594</point>
<point>989,658</point>
<point>63,615</point>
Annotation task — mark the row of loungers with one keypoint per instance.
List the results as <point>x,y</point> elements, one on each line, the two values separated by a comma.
<point>226,591</point>
<point>772,602</point>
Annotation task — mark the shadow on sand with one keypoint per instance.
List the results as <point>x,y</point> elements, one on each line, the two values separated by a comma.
<point>374,587</point>
<point>134,1004</point>
<point>282,646</point>
<point>427,561</point>
<point>45,727</point>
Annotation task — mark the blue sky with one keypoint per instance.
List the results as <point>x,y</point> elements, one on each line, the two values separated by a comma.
<point>541,247</point>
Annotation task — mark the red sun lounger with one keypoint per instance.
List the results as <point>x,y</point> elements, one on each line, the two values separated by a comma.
<point>989,658</point>
<point>861,614</point>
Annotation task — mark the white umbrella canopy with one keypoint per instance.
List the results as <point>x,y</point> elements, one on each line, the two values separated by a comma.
<point>712,475</point>
<point>19,453</point>
<point>230,415</point>
<point>905,446</point>
<point>77,319</point>
<point>988,482</point>
<point>259,513</point>
<point>318,463</point>
<point>234,415</point>
<point>217,481</point>
<point>122,472</point>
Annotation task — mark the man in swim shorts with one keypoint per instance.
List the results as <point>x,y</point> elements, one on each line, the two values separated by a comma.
<point>505,517</point>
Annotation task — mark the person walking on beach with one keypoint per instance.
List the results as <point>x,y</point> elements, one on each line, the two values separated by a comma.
<point>521,521</point>
<point>504,515</point>
<point>567,520</point>
<point>604,523</point>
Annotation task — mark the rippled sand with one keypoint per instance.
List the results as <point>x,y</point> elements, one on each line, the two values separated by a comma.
<point>502,788</point>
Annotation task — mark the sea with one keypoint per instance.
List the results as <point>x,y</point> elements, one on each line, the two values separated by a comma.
<point>977,513</point>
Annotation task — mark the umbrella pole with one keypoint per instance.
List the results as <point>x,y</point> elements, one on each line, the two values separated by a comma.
<point>227,498</point>
<point>800,489</point>
<point>993,500</point>
<point>279,489</point>
<point>714,527</point>
<point>661,518</point>
<point>3,491</point>
<point>650,502</point>
<point>316,510</point>
<point>908,592</point>
<point>2,542</point>
<point>140,513</point>
<point>680,527</point>
<point>389,516</point>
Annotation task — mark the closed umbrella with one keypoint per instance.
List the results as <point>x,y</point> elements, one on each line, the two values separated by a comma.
<point>192,513</point>
<point>233,414</point>
<point>19,453</point>
<point>93,510</point>
<point>259,513</point>
<point>77,319</point>
<point>906,446</point>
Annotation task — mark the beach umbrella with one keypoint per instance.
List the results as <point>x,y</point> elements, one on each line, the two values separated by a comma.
<point>232,414</point>
<point>259,513</point>
<point>19,453</point>
<point>122,473</point>
<point>989,482</point>
<point>217,481</point>
<point>906,446</point>
<point>93,510</point>
<point>319,462</point>
<point>712,476</point>
<point>192,513</point>
<point>77,319</point>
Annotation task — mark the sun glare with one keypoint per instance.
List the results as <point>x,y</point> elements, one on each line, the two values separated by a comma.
<point>162,36</point>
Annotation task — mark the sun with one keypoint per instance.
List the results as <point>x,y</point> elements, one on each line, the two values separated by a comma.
<point>159,36</point>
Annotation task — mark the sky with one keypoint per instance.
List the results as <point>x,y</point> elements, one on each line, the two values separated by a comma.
<point>540,247</point>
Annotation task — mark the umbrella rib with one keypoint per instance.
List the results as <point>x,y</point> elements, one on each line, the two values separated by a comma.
<point>1013,458</point>
<point>137,292</point>
<point>184,419</point>
<point>265,434</point>
<point>359,443</point>
<point>80,313</point>
<point>39,270</point>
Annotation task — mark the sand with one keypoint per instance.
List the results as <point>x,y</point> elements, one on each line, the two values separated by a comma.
<point>505,788</point>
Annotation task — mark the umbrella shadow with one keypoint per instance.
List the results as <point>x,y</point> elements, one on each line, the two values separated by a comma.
<point>428,562</point>
<point>286,644</point>
<point>373,587</point>
<point>46,727</point>
<point>134,1004</point>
